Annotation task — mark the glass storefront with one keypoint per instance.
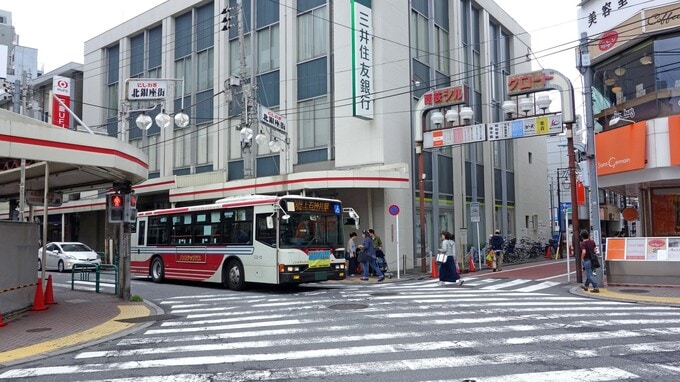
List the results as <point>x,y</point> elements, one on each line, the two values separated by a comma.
<point>640,83</point>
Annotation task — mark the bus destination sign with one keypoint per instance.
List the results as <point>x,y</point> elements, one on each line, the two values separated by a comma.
<point>314,206</point>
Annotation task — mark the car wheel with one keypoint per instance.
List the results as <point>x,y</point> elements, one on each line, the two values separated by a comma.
<point>157,270</point>
<point>234,277</point>
<point>60,266</point>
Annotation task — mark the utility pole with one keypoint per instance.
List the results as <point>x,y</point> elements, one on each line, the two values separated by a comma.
<point>248,89</point>
<point>594,194</point>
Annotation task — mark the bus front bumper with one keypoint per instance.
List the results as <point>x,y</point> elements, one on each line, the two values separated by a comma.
<point>310,277</point>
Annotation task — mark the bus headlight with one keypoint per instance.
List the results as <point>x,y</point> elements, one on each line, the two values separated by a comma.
<point>292,269</point>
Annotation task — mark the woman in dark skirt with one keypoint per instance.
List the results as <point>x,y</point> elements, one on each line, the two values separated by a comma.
<point>447,269</point>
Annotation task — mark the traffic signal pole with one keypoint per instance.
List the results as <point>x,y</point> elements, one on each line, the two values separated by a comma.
<point>122,210</point>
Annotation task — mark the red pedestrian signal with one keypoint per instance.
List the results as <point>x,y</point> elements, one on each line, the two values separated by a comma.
<point>130,211</point>
<point>116,207</point>
<point>116,201</point>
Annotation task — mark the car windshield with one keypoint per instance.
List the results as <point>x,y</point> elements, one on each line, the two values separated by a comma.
<point>75,247</point>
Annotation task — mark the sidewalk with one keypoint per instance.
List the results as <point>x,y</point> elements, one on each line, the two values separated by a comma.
<point>643,294</point>
<point>78,319</point>
<point>82,318</point>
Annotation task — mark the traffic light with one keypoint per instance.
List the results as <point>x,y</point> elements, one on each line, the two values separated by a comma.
<point>130,213</point>
<point>116,205</point>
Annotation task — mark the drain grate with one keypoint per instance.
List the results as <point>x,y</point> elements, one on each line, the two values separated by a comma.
<point>348,306</point>
<point>138,320</point>
<point>38,330</point>
<point>639,291</point>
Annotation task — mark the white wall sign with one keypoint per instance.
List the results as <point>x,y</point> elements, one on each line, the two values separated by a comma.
<point>272,119</point>
<point>362,60</point>
<point>143,89</point>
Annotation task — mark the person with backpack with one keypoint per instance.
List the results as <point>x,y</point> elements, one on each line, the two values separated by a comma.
<point>587,255</point>
<point>447,269</point>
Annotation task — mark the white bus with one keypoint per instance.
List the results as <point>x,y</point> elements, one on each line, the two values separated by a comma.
<point>254,238</point>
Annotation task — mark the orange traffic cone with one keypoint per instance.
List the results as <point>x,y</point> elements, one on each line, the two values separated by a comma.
<point>49,296</point>
<point>2,323</point>
<point>472,265</point>
<point>435,269</point>
<point>39,300</point>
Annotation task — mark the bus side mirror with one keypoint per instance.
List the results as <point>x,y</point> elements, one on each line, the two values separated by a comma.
<point>270,222</point>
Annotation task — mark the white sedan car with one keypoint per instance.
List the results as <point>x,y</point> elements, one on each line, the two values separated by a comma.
<point>62,255</point>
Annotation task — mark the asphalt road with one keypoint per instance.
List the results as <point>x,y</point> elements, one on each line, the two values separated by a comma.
<point>496,327</point>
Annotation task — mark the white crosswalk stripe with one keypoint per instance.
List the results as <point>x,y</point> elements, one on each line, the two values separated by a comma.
<point>499,330</point>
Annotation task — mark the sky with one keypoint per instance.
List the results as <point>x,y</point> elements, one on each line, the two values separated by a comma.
<point>554,36</point>
<point>58,29</point>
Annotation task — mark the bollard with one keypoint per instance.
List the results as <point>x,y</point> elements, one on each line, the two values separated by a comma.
<point>435,269</point>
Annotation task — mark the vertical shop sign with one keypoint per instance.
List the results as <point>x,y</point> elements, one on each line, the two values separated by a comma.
<point>362,59</point>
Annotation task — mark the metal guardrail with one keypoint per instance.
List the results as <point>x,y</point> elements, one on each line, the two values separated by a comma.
<point>85,271</point>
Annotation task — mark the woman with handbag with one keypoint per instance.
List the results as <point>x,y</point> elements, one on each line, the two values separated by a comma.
<point>447,262</point>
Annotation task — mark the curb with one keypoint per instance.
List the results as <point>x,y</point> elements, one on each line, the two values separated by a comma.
<point>152,309</point>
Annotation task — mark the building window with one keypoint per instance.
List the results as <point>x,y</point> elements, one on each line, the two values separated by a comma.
<point>312,34</point>
<point>194,63</point>
<point>204,72</point>
<point>312,78</point>
<point>443,52</point>
<point>420,40</point>
<point>137,56</point>
<point>268,46</point>
<point>314,123</point>
<point>112,81</point>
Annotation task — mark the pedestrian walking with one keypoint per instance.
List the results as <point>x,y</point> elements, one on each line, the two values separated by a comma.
<point>447,269</point>
<point>367,257</point>
<point>587,253</point>
<point>496,242</point>
<point>351,254</point>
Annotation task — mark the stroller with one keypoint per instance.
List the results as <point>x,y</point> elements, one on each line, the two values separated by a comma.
<point>382,263</point>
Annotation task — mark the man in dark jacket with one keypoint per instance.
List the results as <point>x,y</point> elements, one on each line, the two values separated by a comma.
<point>496,242</point>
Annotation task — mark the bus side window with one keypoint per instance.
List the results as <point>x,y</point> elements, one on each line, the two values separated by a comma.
<point>140,232</point>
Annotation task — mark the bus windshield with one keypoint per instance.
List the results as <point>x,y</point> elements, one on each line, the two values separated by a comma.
<point>306,230</point>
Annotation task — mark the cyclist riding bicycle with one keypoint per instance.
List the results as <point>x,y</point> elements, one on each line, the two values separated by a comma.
<point>496,242</point>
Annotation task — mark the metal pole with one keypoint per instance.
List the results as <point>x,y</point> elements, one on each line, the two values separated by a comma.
<point>421,198</point>
<point>479,249</point>
<point>397,218</point>
<point>593,202</point>
<point>435,199</point>
<point>559,213</point>
<point>44,227</point>
<point>574,203</point>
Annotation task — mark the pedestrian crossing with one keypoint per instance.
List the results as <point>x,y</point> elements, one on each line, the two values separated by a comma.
<point>489,330</point>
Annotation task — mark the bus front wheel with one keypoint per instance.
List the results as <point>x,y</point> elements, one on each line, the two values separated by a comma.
<point>234,276</point>
<point>157,270</point>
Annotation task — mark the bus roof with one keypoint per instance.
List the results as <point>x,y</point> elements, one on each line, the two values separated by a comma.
<point>231,201</point>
